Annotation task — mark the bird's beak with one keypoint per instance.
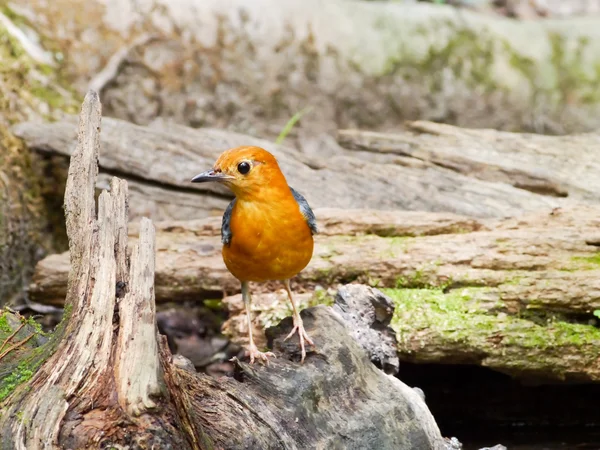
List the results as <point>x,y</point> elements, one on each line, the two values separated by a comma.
<point>211,175</point>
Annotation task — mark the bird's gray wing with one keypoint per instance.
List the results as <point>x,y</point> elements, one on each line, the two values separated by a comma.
<point>226,224</point>
<point>308,213</point>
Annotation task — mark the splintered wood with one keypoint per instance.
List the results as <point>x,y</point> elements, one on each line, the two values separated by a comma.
<point>79,376</point>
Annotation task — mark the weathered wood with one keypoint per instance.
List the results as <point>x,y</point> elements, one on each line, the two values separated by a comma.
<point>67,372</point>
<point>137,369</point>
<point>62,403</point>
<point>147,199</point>
<point>532,279</point>
<point>554,166</point>
<point>161,162</point>
<point>469,325</point>
<point>541,251</point>
<point>336,399</point>
<point>190,265</point>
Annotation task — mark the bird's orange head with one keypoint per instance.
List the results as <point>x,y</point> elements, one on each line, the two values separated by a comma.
<point>248,171</point>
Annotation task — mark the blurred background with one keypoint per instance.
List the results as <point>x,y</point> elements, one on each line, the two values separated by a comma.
<point>470,117</point>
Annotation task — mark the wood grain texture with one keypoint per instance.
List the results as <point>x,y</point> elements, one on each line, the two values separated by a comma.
<point>416,172</point>
<point>336,399</point>
<point>549,248</point>
<point>81,360</point>
<point>137,369</point>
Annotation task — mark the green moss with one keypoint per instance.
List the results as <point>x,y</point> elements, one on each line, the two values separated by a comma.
<point>397,246</point>
<point>574,82</point>
<point>570,79</point>
<point>215,304</point>
<point>35,325</point>
<point>468,54</point>
<point>457,317</point>
<point>587,262</point>
<point>4,326</point>
<point>68,309</point>
<point>27,90</point>
<point>19,365</point>
<point>15,18</point>
<point>424,277</point>
<point>513,281</point>
<point>50,96</point>
<point>20,375</point>
<point>461,56</point>
<point>321,297</point>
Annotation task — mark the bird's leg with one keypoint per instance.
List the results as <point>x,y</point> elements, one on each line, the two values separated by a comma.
<point>252,349</point>
<point>298,325</point>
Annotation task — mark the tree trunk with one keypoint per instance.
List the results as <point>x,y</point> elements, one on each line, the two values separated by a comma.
<point>106,378</point>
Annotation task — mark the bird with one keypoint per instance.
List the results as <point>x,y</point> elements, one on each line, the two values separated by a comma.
<point>267,230</point>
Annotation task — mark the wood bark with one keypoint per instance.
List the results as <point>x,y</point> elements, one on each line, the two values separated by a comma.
<point>106,378</point>
<point>69,402</point>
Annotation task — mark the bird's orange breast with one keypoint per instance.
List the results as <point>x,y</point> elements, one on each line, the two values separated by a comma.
<point>270,240</point>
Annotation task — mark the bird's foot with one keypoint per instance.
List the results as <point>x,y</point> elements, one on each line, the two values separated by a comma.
<point>254,353</point>
<point>299,327</point>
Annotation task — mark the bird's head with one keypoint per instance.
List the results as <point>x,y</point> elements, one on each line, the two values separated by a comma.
<point>245,170</point>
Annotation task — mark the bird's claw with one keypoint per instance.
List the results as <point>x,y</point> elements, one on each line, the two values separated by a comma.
<point>299,327</point>
<point>254,353</point>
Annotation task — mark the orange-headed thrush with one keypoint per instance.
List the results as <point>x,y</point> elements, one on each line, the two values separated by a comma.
<point>267,230</point>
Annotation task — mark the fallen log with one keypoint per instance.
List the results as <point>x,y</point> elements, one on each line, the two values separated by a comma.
<point>190,266</point>
<point>230,65</point>
<point>105,378</point>
<point>515,294</point>
<point>553,166</point>
<point>422,169</point>
<point>525,261</point>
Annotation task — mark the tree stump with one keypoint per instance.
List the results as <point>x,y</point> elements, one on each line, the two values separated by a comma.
<point>106,378</point>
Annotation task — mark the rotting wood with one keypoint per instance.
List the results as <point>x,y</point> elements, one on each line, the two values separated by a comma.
<point>137,368</point>
<point>68,401</point>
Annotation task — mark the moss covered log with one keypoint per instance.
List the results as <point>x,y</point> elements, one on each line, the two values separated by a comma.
<point>203,63</point>
<point>462,327</point>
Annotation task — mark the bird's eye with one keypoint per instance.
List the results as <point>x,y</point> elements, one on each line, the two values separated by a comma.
<point>244,167</point>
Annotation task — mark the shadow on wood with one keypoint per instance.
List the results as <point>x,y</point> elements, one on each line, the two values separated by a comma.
<point>106,378</point>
